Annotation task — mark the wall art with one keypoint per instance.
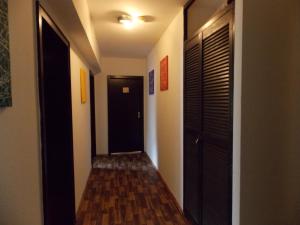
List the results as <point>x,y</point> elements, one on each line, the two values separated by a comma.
<point>151,82</point>
<point>5,80</point>
<point>83,86</point>
<point>164,73</point>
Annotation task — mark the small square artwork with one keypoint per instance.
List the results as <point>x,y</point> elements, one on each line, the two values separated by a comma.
<point>164,74</point>
<point>151,82</point>
<point>83,86</point>
<point>5,85</point>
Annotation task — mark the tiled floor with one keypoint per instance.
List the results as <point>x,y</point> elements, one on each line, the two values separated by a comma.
<point>127,190</point>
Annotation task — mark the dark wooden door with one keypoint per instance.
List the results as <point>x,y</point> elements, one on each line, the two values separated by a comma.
<point>217,107</point>
<point>125,114</point>
<point>93,117</point>
<point>208,100</point>
<point>56,123</point>
<point>192,131</point>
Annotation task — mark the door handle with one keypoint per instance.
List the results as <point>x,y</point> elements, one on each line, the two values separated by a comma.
<point>139,115</point>
<point>197,140</point>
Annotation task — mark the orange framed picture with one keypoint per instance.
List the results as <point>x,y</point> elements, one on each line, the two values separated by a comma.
<point>83,85</point>
<point>164,73</point>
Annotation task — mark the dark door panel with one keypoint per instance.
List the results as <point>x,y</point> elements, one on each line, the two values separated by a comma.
<point>93,117</point>
<point>56,123</point>
<point>208,103</point>
<point>126,109</point>
<point>217,86</point>
<point>192,174</point>
<point>192,129</point>
<point>216,185</point>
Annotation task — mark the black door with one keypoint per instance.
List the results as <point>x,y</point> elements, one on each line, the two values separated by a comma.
<point>125,114</point>
<point>192,132</point>
<point>217,107</point>
<point>56,123</point>
<point>93,116</point>
<point>208,100</point>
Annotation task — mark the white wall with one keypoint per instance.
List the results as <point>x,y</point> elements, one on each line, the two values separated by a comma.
<point>20,177</point>
<point>81,128</point>
<point>112,66</point>
<point>270,168</point>
<point>164,110</point>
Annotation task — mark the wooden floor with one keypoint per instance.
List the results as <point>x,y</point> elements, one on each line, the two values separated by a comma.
<point>127,190</point>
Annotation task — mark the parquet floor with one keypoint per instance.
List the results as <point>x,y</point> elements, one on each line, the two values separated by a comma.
<point>127,190</point>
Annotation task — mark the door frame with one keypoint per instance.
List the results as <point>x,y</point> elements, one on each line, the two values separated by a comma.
<point>93,117</point>
<point>41,13</point>
<point>109,77</point>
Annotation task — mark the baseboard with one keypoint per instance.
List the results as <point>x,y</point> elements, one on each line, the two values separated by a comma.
<point>169,190</point>
<point>101,155</point>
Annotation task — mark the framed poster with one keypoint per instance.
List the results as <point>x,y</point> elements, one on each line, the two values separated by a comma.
<point>5,86</point>
<point>164,70</point>
<point>83,86</point>
<point>151,82</point>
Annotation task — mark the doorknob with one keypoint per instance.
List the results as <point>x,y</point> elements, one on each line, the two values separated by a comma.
<point>197,140</point>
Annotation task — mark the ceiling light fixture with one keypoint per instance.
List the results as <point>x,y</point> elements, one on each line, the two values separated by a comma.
<point>129,21</point>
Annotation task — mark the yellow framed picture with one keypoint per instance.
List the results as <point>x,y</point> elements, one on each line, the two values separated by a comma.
<point>83,85</point>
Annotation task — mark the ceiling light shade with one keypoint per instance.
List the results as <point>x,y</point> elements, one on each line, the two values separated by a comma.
<point>129,21</point>
<point>125,19</point>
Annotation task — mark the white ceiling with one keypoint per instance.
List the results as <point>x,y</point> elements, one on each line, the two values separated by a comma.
<point>116,41</point>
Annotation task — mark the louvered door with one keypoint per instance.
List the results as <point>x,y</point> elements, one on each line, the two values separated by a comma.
<point>217,83</point>
<point>192,121</point>
<point>211,91</point>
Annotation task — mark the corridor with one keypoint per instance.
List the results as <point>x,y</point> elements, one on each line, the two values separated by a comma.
<point>127,190</point>
<point>149,112</point>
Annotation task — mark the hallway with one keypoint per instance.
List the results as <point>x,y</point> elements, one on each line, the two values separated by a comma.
<point>127,190</point>
<point>207,90</point>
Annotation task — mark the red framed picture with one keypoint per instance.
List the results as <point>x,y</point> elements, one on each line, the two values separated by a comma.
<point>164,72</point>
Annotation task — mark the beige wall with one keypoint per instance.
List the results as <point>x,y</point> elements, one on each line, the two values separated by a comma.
<point>85,18</point>
<point>270,113</point>
<point>81,128</point>
<point>291,160</point>
<point>200,12</point>
<point>164,110</point>
<point>20,184</point>
<point>111,66</point>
